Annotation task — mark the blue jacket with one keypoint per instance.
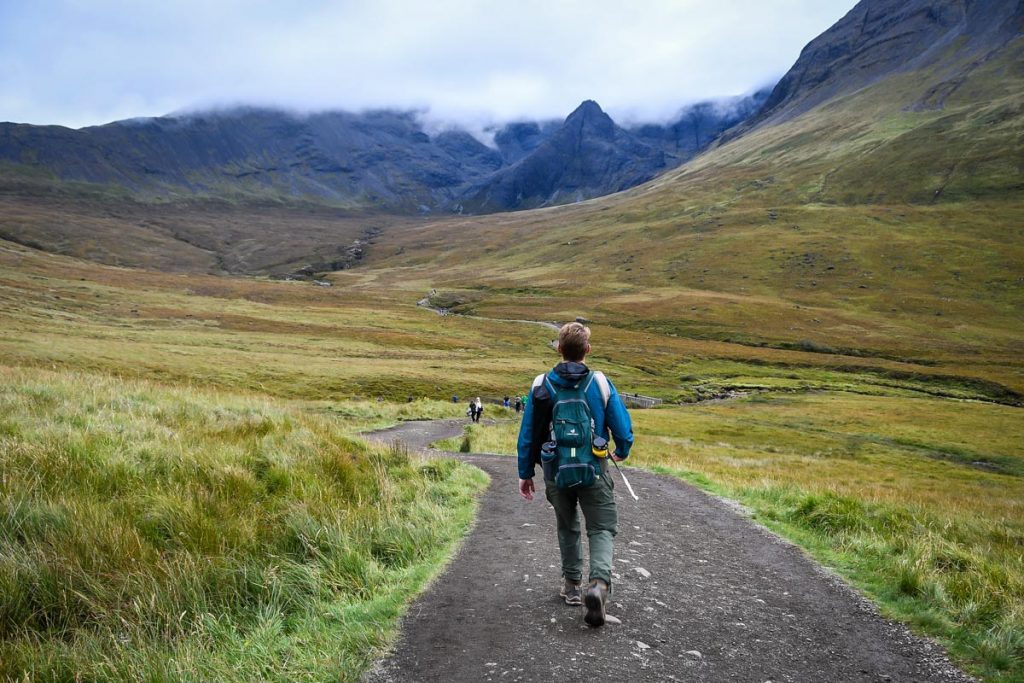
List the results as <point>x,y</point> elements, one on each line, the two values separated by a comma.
<point>534,429</point>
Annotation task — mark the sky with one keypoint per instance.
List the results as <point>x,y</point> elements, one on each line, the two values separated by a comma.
<point>86,62</point>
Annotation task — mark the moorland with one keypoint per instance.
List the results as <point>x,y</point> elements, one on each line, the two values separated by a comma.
<point>830,306</point>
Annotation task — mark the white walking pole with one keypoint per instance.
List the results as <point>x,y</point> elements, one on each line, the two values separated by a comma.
<point>624,480</point>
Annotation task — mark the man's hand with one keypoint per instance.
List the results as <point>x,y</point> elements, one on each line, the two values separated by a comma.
<point>526,488</point>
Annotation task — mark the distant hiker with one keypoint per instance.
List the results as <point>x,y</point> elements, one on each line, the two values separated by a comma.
<point>569,438</point>
<point>478,409</point>
<point>455,398</point>
<point>505,402</point>
<point>519,405</point>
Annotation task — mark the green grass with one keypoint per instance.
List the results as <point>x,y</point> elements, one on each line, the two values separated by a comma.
<point>150,532</point>
<point>288,339</point>
<point>917,501</point>
<point>482,438</point>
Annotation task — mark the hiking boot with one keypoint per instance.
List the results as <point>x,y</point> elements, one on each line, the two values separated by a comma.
<point>596,597</point>
<point>572,592</point>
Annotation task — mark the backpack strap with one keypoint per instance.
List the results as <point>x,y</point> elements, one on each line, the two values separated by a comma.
<point>551,389</point>
<point>603,386</point>
<point>554,399</point>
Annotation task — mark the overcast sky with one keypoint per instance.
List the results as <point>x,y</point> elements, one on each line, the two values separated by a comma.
<point>83,62</point>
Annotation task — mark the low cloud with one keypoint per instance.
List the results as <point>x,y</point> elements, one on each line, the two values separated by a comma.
<point>82,62</point>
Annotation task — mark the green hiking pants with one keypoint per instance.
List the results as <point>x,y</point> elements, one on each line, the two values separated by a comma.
<point>598,505</point>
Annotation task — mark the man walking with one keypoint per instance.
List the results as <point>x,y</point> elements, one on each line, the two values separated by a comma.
<point>597,501</point>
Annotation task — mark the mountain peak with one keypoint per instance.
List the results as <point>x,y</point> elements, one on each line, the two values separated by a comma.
<point>590,117</point>
<point>588,109</point>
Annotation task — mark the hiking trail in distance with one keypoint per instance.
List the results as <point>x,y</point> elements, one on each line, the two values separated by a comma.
<point>702,592</point>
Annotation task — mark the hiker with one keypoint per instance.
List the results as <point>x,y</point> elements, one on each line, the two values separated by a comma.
<point>505,402</point>
<point>479,410</point>
<point>519,405</point>
<point>564,434</point>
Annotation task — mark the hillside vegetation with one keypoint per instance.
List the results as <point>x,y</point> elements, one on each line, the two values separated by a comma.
<point>150,532</point>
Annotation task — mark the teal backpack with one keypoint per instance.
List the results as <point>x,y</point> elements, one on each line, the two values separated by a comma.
<point>569,455</point>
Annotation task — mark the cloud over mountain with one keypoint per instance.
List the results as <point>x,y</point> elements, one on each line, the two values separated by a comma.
<point>75,63</point>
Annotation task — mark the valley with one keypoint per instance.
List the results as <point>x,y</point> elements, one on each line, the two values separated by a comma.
<point>826,291</point>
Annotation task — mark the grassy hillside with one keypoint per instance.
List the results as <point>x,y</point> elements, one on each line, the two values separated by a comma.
<point>289,339</point>
<point>198,236</point>
<point>364,338</point>
<point>155,532</point>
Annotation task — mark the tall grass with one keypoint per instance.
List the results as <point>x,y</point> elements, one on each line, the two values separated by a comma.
<point>483,438</point>
<point>151,533</point>
<point>961,579</point>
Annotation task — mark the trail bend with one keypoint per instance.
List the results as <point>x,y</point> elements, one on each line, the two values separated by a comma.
<point>718,598</point>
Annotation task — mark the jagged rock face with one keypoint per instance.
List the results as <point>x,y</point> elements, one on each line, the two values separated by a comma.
<point>698,125</point>
<point>878,38</point>
<point>379,158</point>
<point>516,140</point>
<point>472,153</point>
<point>587,157</point>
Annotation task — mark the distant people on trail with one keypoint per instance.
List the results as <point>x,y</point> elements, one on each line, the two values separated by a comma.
<point>505,403</point>
<point>455,398</point>
<point>478,410</point>
<point>565,429</point>
<point>519,405</point>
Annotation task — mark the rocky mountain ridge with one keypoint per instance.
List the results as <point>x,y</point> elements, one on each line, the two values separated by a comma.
<point>881,38</point>
<point>377,159</point>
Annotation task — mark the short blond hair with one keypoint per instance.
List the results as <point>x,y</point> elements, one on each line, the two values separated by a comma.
<point>574,341</point>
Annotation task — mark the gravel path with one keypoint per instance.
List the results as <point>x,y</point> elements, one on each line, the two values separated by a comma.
<point>703,594</point>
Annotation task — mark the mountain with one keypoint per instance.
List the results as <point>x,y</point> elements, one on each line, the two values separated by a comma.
<point>381,160</point>
<point>914,104</point>
<point>586,157</point>
<point>516,140</point>
<point>881,38</point>
<point>698,125</point>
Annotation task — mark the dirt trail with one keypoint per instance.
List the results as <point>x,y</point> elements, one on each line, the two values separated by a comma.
<point>425,303</point>
<point>703,594</point>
